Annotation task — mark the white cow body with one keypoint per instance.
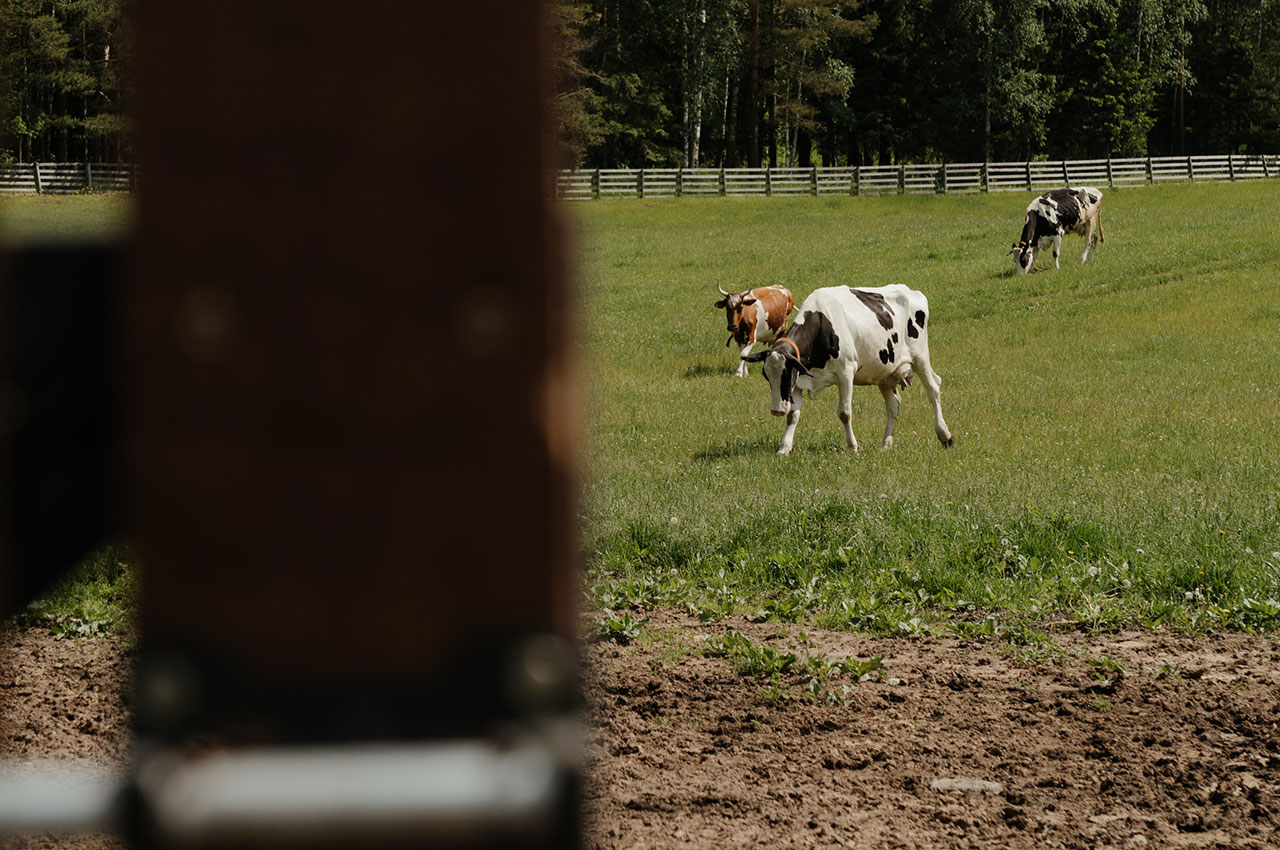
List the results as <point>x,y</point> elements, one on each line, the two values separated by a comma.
<point>846,337</point>
<point>1055,214</point>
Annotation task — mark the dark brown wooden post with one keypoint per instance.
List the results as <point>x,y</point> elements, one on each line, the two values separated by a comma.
<point>345,535</point>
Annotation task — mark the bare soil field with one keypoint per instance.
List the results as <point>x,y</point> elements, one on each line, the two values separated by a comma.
<point>64,700</point>
<point>952,745</point>
<point>1181,750</point>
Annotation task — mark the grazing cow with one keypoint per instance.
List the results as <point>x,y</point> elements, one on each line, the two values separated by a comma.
<point>1054,214</point>
<point>757,315</point>
<point>847,337</point>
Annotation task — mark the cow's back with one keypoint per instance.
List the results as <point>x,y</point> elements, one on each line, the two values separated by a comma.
<point>878,328</point>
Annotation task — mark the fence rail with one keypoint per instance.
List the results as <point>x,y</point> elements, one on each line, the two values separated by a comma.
<point>949,178</point>
<point>66,178</point>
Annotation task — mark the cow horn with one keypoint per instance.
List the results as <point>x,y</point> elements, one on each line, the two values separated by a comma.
<point>722,292</point>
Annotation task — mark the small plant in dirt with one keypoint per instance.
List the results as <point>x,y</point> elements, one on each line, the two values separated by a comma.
<point>824,673</point>
<point>748,658</point>
<point>620,628</point>
<point>1107,673</point>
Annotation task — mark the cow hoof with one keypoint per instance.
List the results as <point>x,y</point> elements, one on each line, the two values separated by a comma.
<point>887,444</point>
<point>948,442</point>
<point>784,451</point>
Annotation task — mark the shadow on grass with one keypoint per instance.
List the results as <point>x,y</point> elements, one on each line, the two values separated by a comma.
<point>705,370</point>
<point>764,448</point>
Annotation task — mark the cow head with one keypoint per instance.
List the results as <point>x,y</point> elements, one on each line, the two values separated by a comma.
<point>781,370</point>
<point>732,303</point>
<point>1024,256</point>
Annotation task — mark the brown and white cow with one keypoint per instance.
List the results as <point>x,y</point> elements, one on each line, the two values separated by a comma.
<point>757,315</point>
<point>1054,214</point>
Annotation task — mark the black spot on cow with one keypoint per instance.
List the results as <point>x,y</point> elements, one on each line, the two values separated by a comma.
<point>875,302</point>
<point>911,329</point>
<point>920,318</point>
<point>815,338</point>
<point>895,334</point>
<point>886,353</point>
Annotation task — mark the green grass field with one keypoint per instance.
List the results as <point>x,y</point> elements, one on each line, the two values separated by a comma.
<point>27,217</point>
<point>1117,423</point>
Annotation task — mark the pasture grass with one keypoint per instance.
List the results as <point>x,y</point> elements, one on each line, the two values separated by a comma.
<point>1116,422</point>
<point>64,217</point>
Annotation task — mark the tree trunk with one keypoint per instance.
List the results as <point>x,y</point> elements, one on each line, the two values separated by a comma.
<point>753,153</point>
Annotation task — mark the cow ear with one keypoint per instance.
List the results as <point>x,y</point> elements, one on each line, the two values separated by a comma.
<point>720,305</point>
<point>758,356</point>
<point>748,300</point>
<point>799,365</point>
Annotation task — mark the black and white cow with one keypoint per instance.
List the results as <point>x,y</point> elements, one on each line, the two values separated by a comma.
<point>846,336</point>
<point>1051,216</point>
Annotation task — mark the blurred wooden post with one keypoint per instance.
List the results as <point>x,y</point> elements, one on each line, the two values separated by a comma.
<point>350,410</point>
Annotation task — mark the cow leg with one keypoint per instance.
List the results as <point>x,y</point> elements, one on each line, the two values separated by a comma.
<point>742,364</point>
<point>891,402</point>
<point>1090,240</point>
<point>793,416</point>
<point>845,410</point>
<point>1057,249</point>
<point>933,386</point>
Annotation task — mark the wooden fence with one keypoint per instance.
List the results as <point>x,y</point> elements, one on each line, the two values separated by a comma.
<point>65,178</point>
<point>948,178</point>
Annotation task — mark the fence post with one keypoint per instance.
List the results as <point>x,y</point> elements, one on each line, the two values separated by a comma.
<point>814,178</point>
<point>640,183</point>
<point>39,187</point>
<point>1066,175</point>
<point>724,183</point>
<point>1028,175</point>
<point>902,179</point>
<point>595,184</point>
<point>768,181</point>
<point>1191,171</point>
<point>88,176</point>
<point>1111,179</point>
<point>679,181</point>
<point>986,177</point>
<point>1266,172</point>
<point>1151,176</point>
<point>1231,167</point>
<point>944,179</point>
<point>857,179</point>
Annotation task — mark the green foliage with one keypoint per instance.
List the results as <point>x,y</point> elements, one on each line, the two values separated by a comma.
<point>748,658</point>
<point>960,80</point>
<point>98,597</point>
<point>620,628</point>
<point>64,67</point>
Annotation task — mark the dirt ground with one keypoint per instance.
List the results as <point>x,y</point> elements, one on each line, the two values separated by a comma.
<point>63,700</point>
<point>1182,749</point>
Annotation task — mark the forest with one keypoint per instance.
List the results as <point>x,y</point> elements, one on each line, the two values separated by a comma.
<point>783,82</point>
<point>63,68</point>
<point>727,83</point>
